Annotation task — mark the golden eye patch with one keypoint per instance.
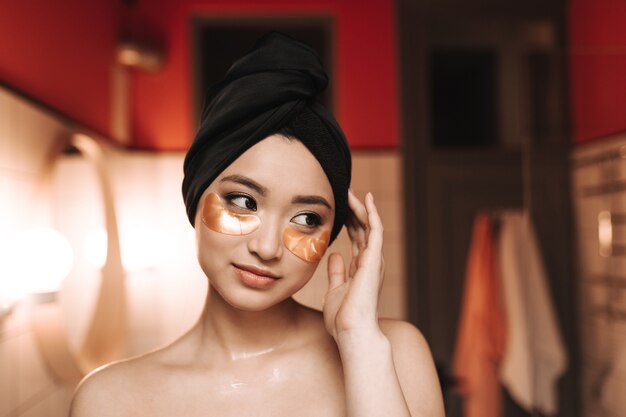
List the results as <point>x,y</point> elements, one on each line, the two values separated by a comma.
<point>305,247</point>
<point>219,219</point>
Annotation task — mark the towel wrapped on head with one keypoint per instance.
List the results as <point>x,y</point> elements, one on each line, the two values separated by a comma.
<point>273,88</point>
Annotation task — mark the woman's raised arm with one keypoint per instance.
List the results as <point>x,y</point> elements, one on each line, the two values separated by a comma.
<point>388,369</point>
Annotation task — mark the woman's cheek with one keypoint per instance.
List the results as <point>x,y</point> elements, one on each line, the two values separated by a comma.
<point>212,249</point>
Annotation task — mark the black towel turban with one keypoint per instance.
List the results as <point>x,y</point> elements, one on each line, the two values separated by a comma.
<point>273,87</point>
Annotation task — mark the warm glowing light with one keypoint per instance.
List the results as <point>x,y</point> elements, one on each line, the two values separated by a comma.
<point>140,248</point>
<point>11,290</point>
<point>41,259</point>
<point>95,247</point>
<point>129,56</point>
<point>605,233</point>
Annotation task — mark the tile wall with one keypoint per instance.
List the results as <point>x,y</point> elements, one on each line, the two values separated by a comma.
<point>166,288</point>
<point>599,187</point>
<point>27,137</point>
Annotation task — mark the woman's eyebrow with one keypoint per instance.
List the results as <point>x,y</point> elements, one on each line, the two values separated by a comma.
<point>248,182</point>
<point>311,199</point>
<point>252,184</point>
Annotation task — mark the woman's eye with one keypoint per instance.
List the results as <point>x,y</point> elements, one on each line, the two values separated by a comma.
<point>243,202</point>
<point>307,219</point>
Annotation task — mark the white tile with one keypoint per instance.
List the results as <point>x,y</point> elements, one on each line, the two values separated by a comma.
<point>144,312</point>
<point>361,165</point>
<point>595,342</point>
<point>378,172</point>
<point>77,298</point>
<point>618,203</point>
<point>9,208</point>
<point>619,326</point>
<point>618,341</point>
<point>386,175</point>
<point>40,138</point>
<point>594,379</point>
<point>19,208</point>
<point>33,376</point>
<point>8,373</point>
<point>597,296</point>
<point>183,292</point>
<point>392,299</point>
<point>583,177</point>
<point>586,216</point>
<point>393,253</point>
<point>613,394</point>
<point>391,215</point>
<point>620,169</point>
<point>589,259</point>
<point>16,323</point>
<point>53,403</point>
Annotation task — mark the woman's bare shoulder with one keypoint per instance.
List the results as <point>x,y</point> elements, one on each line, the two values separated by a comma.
<point>407,343</point>
<point>112,389</point>
<point>403,333</point>
<point>415,367</point>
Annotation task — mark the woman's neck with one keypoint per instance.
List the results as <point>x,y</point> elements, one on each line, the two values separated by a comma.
<point>243,334</point>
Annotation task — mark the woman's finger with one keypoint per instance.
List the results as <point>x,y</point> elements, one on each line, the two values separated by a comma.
<point>375,238</point>
<point>358,245</point>
<point>336,271</point>
<point>354,228</point>
<point>357,241</point>
<point>359,210</point>
<point>356,224</point>
<point>371,255</point>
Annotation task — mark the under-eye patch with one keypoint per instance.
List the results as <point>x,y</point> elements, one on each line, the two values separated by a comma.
<point>219,219</point>
<point>305,247</point>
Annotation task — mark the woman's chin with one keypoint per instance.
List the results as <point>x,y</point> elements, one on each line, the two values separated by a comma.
<point>247,299</point>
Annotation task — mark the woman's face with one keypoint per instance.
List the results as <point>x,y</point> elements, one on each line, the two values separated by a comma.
<point>272,194</point>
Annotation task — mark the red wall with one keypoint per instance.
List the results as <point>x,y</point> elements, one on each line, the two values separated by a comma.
<point>60,52</point>
<point>366,83</point>
<point>597,67</point>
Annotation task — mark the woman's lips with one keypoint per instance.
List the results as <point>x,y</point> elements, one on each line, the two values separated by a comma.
<point>255,277</point>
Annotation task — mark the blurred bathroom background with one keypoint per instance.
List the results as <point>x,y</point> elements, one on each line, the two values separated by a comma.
<point>452,108</point>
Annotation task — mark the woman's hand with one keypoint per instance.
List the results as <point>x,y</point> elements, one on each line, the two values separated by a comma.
<point>351,303</point>
<point>379,365</point>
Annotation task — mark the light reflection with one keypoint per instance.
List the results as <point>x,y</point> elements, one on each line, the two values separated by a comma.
<point>39,260</point>
<point>605,233</point>
<point>247,355</point>
<point>140,247</point>
<point>275,377</point>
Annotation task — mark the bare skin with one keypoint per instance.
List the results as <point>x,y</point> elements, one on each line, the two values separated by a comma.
<point>257,352</point>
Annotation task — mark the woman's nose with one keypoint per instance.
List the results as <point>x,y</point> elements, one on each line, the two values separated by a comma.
<point>266,241</point>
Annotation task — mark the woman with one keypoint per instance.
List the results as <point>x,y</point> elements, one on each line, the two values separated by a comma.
<point>266,188</point>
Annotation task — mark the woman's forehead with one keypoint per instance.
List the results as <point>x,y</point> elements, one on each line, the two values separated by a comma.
<point>281,165</point>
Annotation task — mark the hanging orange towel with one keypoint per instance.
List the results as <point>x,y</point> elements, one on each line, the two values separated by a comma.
<point>481,335</point>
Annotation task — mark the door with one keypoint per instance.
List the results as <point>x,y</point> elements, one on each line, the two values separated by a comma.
<point>518,159</point>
